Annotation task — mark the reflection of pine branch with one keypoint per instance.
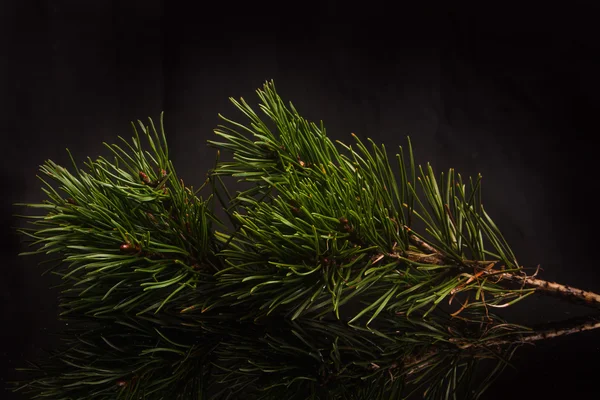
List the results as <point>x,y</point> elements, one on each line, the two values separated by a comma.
<point>564,328</point>
<point>543,332</point>
<point>414,365</point>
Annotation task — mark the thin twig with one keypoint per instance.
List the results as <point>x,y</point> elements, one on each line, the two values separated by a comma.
<point>555,289</point>
<point>545,287</point>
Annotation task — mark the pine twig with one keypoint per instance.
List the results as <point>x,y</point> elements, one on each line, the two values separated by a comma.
<point>555,289</point>
<point>542,286</point>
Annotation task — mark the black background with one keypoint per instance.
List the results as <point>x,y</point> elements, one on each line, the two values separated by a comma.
<point>508,92</point>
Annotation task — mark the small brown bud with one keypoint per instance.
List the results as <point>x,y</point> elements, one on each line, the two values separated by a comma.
<point>128,248</point>
<point>144,178</point>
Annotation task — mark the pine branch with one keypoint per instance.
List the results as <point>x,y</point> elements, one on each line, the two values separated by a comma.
<point>322,287</point>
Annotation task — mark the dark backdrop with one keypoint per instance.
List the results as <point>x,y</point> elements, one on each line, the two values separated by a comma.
<point>508,92</point>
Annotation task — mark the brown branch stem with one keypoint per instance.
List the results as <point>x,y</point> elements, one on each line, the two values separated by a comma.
<point>545,287</point>
<point>555,289</point>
